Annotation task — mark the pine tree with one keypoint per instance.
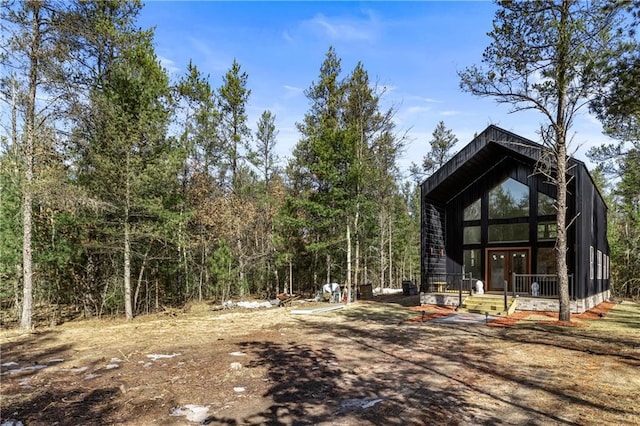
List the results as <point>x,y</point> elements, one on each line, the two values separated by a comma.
<point>320,166</point>
<point>441,146</point>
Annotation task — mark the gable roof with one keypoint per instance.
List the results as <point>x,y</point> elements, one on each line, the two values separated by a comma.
<point>480,155</point>
<point>483,153</point>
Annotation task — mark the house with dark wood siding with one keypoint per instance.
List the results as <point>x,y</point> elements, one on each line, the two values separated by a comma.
<point>489,225</point>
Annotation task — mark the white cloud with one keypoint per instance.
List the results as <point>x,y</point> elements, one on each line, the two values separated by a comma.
<point>346,29</point>
<point>449,113</point>
<point>292,91</point>
<point>422,99</point>
<point>417,109</point>
<point>287,37</point>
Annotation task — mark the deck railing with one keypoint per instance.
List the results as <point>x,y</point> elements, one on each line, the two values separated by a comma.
<point>449,283</point>
<point>538,285</point>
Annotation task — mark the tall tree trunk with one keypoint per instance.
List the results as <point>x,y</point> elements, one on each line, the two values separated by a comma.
<point>157,292</point>
<point>356,279</point>
<point>16,148</point>
<point>390,255</point>
<point>140,276</point>
<point>27,190</point>
<point>128,309</point>
<point>381,250</point>
<point>560,132</point>
<point>240,267</point>
<point>204,278</point>
<point>561,247</point>
<point>328,268</point>
<point>290,277</point>
<point>350,293</point>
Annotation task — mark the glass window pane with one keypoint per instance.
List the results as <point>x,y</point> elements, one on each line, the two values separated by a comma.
<point>471,235</point>
<point>509,232</point>
<point>472,212</point>
<point>509,199</point>
<point>545,204</point>
<point>546,261</point>
<point>599,260</point>
<point>472,263</point>
<point>547,231</point>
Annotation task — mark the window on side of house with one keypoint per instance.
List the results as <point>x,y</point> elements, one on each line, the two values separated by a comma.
<point>599,276</point>
<point>591,262</point>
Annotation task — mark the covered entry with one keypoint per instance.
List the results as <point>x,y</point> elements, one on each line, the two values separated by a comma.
<point>503,262</point>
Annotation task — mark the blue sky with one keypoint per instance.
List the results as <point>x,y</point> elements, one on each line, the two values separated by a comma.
<point>411,49</point>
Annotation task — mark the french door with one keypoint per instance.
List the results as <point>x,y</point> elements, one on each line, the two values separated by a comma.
<point>502,263</point>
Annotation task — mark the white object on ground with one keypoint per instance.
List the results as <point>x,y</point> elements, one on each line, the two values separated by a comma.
<point>330,288</point>
<point>27,368</point>
<point>12,422</point>
<point>156,357</point>
<point>193,413</point>
<point>316,310</point>
<point>254,305</point>
<point>364,403</point>
<point>379,290</point>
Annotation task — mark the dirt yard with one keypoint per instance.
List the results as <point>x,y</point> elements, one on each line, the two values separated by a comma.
<point>371,363</point>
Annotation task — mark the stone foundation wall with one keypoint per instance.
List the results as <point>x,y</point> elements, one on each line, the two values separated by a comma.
<point>553,305</point>
<point>524,303</point>
<point>441,299</point>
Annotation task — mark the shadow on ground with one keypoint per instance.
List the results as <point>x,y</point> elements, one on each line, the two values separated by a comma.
<point>431,374</point>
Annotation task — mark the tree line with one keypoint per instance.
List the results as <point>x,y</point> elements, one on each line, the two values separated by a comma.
<point>123,191</point>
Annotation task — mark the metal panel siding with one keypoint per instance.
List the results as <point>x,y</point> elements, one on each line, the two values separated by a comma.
<point>590,231</point>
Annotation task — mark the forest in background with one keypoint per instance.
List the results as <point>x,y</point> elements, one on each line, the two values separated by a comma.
<point>124,192</point>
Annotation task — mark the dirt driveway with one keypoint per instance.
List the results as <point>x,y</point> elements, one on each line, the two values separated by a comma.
<point>370,363</point>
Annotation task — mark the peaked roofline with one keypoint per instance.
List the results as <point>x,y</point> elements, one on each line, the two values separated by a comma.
<point>481,151</point>
<point>491,134</point>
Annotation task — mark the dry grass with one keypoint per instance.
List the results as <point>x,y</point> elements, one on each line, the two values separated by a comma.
<point>375,362</point>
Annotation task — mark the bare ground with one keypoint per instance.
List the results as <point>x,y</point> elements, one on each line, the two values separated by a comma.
<point>371,363</point>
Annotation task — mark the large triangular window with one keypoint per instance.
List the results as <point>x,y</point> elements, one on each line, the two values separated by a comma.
<point>509,199</point>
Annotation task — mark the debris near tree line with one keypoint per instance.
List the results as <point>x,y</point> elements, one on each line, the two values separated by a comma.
<point>282,299</point>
